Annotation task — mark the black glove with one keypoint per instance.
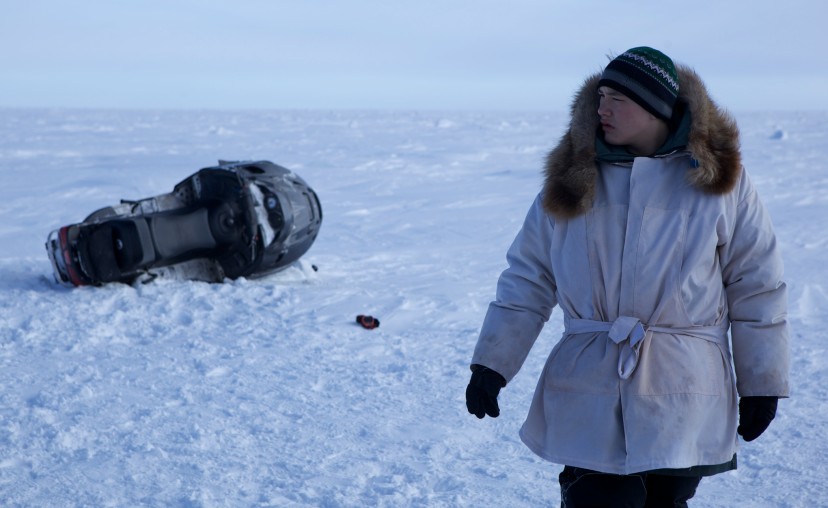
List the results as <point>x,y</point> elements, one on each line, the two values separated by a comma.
<point>755,414</point>
<point>481,394</point>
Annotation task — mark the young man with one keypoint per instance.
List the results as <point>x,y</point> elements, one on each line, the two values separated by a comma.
<point>651,238</point>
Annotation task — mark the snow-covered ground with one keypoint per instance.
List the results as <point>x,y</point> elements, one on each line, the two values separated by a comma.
<point>265,392</point>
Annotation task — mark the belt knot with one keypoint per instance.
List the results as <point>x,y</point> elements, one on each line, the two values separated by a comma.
<point>625,329</point>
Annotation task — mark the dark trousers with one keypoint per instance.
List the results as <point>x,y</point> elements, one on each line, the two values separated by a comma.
<point>584,488</point>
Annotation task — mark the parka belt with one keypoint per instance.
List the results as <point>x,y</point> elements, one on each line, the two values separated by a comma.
<point>632,332</point>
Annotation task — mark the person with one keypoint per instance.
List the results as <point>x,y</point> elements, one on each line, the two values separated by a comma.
<point>651,238</point>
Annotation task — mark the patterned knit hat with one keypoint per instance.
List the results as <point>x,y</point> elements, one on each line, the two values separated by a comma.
<point>646,76</point>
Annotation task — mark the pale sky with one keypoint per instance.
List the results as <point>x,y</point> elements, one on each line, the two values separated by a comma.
<point>387,54</point>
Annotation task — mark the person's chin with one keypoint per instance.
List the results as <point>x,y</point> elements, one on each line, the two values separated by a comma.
<point>611,137</point>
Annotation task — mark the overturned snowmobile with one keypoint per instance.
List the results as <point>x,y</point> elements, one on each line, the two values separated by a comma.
<point>237,219</point>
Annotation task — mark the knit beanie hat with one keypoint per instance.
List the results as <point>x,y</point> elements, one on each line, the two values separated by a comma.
<point>646,76</point>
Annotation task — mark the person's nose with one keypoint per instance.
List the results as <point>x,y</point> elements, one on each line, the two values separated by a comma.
<point>603,110</point>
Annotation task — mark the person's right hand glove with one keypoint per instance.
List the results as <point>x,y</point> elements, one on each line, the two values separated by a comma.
<point>481,394</point>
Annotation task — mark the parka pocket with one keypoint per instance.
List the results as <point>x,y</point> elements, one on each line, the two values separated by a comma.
<point>674,364</point>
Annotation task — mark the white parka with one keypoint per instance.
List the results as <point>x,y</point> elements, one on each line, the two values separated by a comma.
<point>651,263</point>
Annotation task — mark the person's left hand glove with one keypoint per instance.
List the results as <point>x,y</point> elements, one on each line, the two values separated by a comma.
<point>755,414</point>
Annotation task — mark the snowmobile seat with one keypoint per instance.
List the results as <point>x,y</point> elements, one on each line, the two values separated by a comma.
<point>177,233</point>
<point>118,248</point>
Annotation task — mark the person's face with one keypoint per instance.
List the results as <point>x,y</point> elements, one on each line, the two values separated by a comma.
<point>625,123</point>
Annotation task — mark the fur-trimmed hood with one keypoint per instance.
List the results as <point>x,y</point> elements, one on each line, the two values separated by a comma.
<point>571,168</point>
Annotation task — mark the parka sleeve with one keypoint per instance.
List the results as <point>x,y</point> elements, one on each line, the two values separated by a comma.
<point>524,300</point>
<point>757,299</point>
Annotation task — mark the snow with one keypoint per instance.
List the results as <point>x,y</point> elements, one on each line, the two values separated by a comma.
<point>265,392</point>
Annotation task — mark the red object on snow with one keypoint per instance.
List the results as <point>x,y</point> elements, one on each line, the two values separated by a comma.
<point>369,322</point>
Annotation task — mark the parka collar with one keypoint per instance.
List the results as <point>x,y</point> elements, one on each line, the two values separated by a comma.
<point>712,141</point>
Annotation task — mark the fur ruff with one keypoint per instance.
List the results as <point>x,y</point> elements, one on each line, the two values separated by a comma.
<point>571,168</point>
